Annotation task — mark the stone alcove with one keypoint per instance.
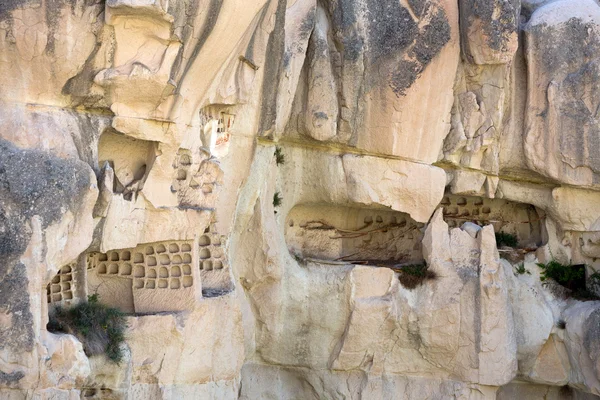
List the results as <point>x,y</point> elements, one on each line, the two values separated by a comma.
<point>130,158</point>
<point>149,278</point>
<point>525,221</point>
<point>353,234</point>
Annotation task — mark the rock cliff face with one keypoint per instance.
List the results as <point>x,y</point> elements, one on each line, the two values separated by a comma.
<point>252,181</point>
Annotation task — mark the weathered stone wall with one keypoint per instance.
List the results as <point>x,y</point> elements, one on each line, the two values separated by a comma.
<point>247,179</point>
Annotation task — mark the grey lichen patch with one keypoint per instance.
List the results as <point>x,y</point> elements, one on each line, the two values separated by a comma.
<point>564,58</point>
<point>8,6</point>
<point>344,22</point>
<point>32,183</point>
<point>35,183</point>
<point>498,20</point>
<point>405,74</point>
<point>18,335</point>
<point>553,44</point>
<point>8,379</point>
<point>433,38</point>
<point>428,44</point>
<point>417,6</point>
<point>591,334</point>
<point>390,28</point>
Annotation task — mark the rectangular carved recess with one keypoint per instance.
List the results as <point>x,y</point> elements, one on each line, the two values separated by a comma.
<point>61,289</point>
<point>212,257</point>
<point>165,265</point>
<point>213,265</point>
<point>163,276</point>
<point>520,219</point>
<point>353,234</point>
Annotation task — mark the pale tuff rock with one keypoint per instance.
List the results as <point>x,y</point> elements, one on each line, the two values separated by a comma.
<point>251,182</point>
<point>582,345</point>
<point>68,365</point>
<point>556,79</point>
<point>368,62</point>
<point>552,365</point>
<point>403,186</point>
<point>498,351</point>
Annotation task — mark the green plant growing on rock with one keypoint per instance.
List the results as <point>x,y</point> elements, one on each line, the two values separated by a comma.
<point>568,276</point>
<point>279,156</point>
<point>413,275</point>
<point>506,239</point>
<point>100,329</point>
<point>277,199</point>
<point>520,269</point>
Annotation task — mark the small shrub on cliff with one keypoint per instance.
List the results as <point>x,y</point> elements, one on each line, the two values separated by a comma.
<point>570,276</point>
<point>414,275</point>
<point>279,156</point>
<point>99,328</point>
<point>277,199</point>
<point>520,269</point>
<point>506,239</point>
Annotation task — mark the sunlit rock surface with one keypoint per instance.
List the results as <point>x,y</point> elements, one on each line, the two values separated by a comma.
<point>251,181</point>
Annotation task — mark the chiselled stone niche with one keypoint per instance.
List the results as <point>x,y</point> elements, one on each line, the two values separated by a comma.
<point>353,234</point>
<point>523,220</point>
<point>130,158</point>
<point>196,179</point>
<point>61,289</point>
<point>214,268</point>
<point>217,122</point>
<point>149,278</point>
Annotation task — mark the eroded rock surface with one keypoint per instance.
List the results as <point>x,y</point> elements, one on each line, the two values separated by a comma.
<point>301,199</point>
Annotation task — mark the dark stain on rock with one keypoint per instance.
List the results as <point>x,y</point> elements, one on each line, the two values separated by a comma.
<point>320,115</point>
<point>273,69</point>
<point>249,54</point>
<point>212,14</point>
<point>186,11</point>
<point>53,10</point>
<point>305,30</point>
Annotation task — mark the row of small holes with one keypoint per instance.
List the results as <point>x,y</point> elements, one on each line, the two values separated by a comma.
<point>163,283</point>
<point>140,270</point>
